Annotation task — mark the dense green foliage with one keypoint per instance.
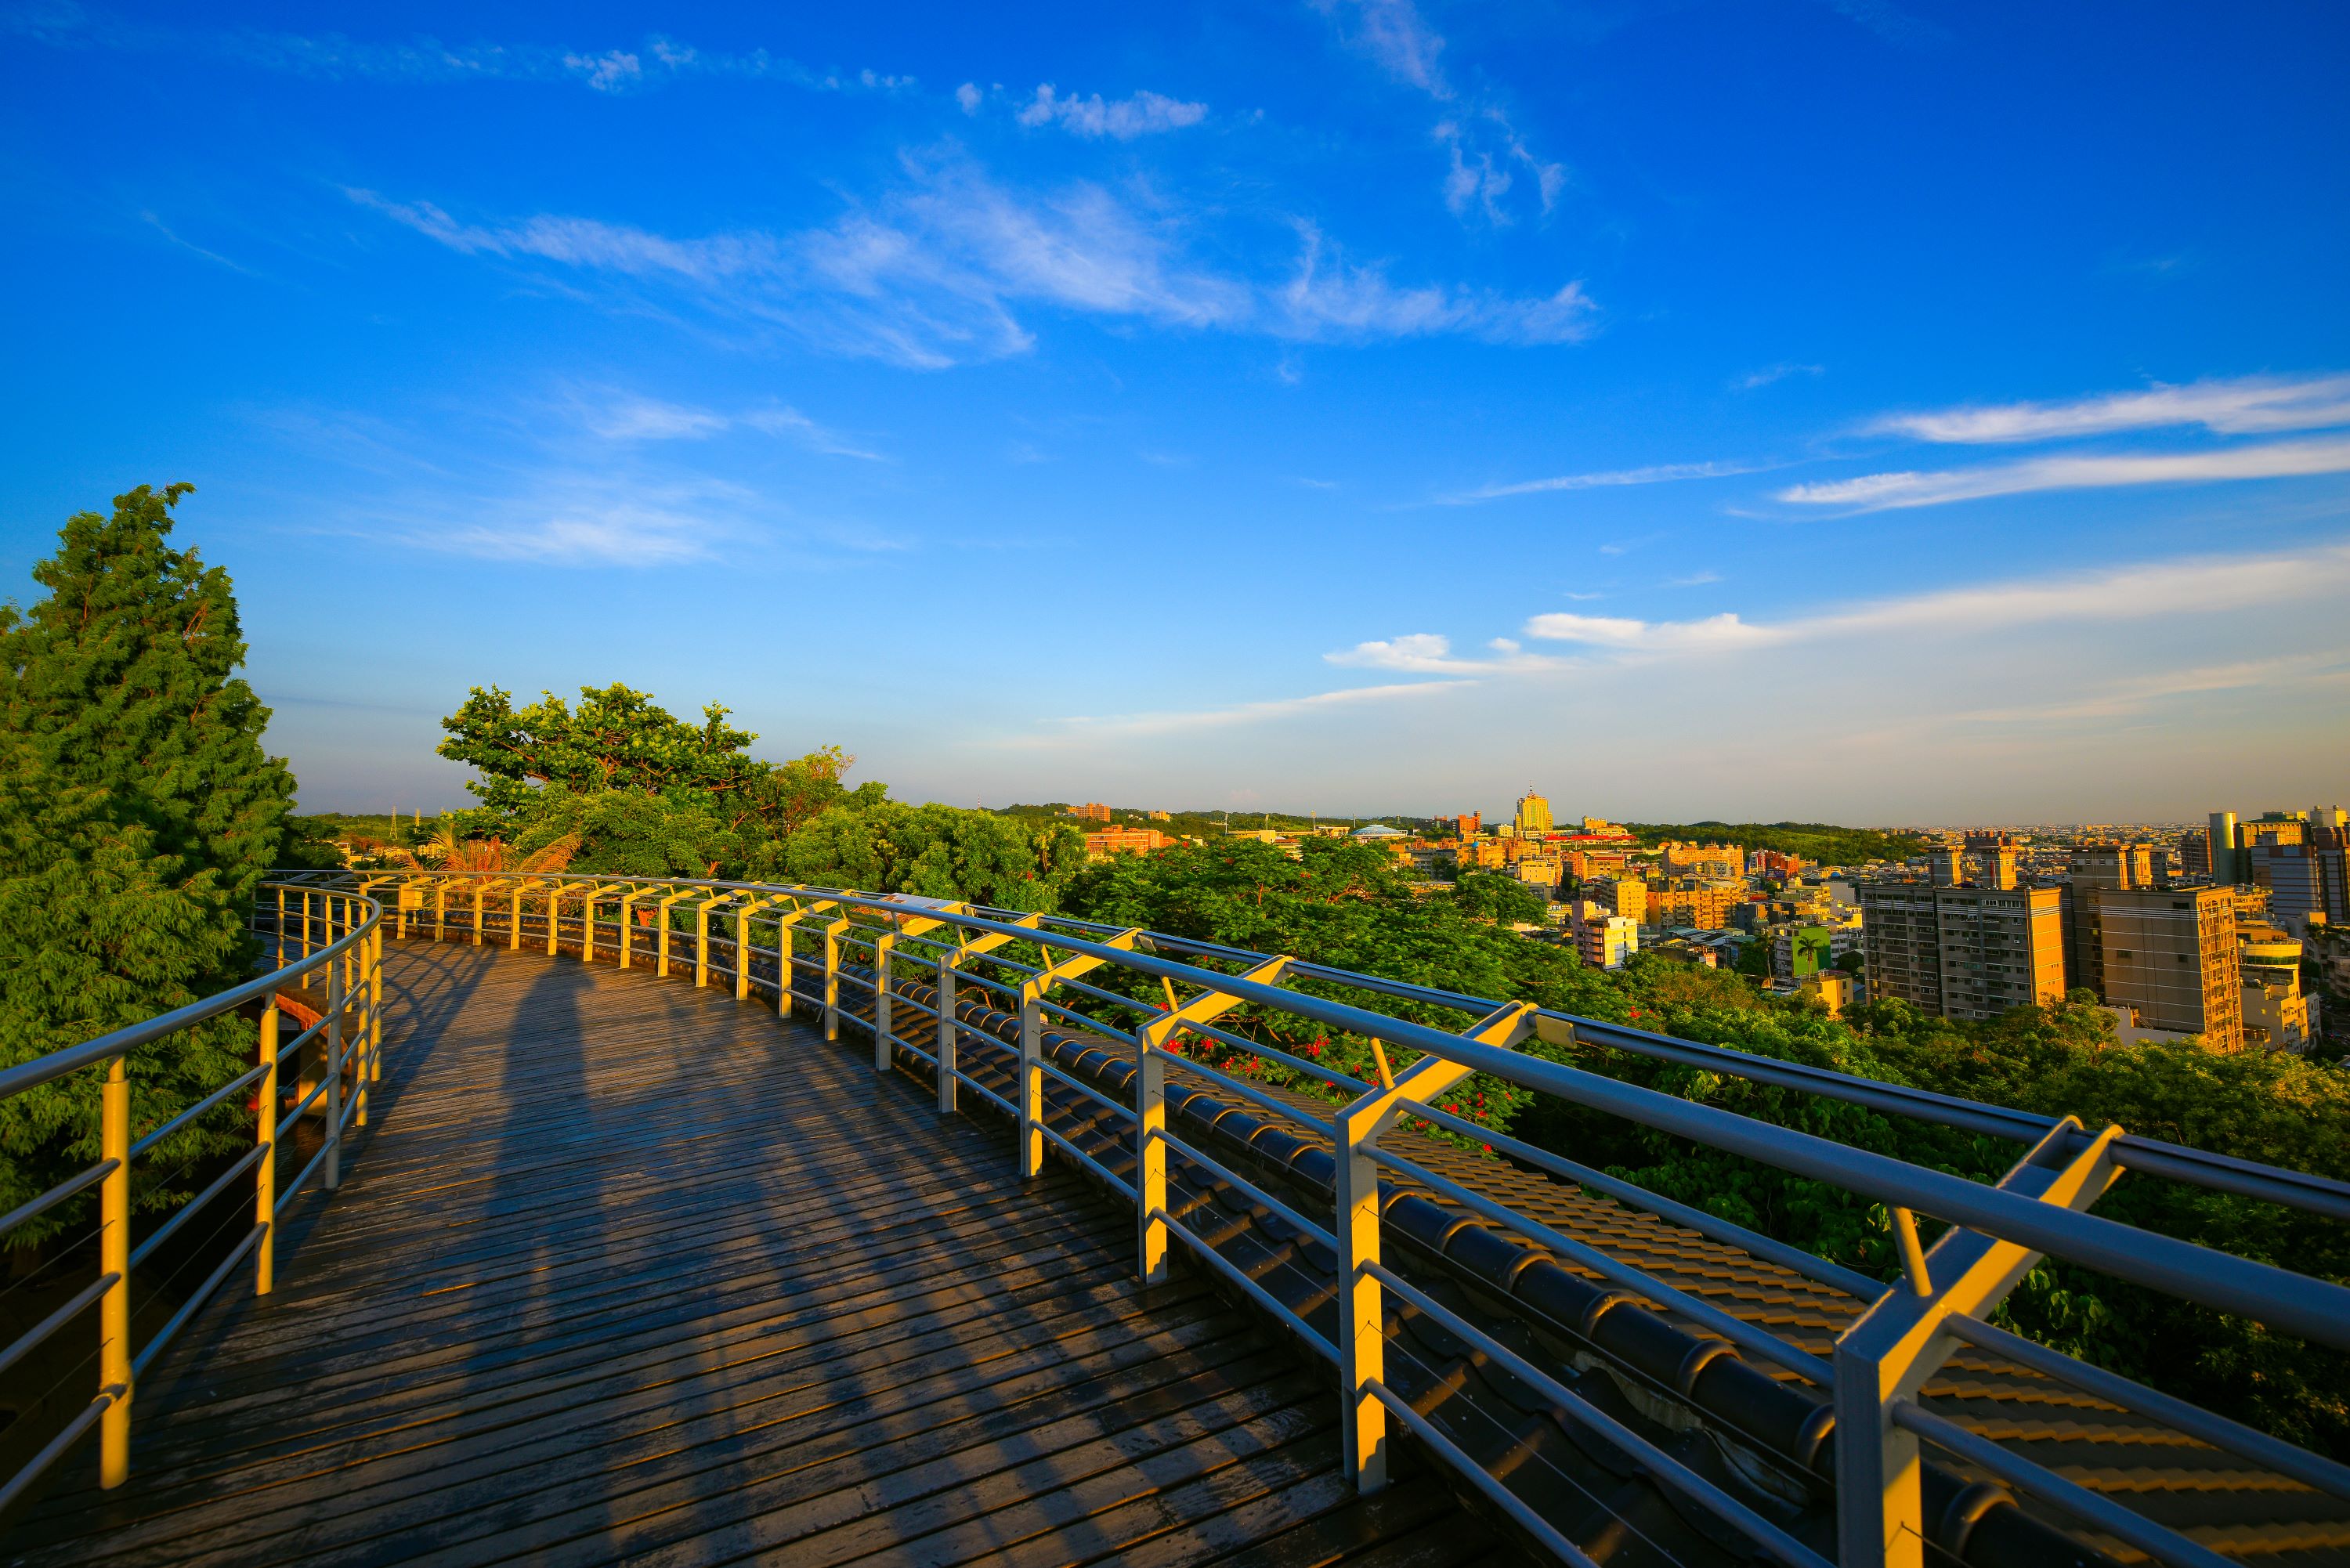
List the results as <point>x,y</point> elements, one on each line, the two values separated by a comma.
<point>1504,899</point>
<point>137,811</point>
<point>1817,842</point>
<point>1347,906</point>
<point>636,793</point>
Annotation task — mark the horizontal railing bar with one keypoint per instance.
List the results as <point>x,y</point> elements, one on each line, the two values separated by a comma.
<point>1330,1076</point>
<point>1180,1062</point>
<point>1088,1161</point>
<point>1083,989</point>
<point>2312,1309</point>
<point>54,1448</point>
<point>1255,1291</point>
<point>199,1108</point>
<point>1087,1090</point>
<point>82,1301</point>
<point>2164,1545</point>
<point>303,1105</point>
<point>287,1194</point>
<point>1501,1497</point>
<point>204,1294</point>
<point>912,1050</point>
<point>984,1093</point>
<point>1710,1226</point>
<point>1736,1330</point>
<point>2310,1469</point>
<point>56,1195</point>
<point>1091,1026</point>
<point>106,1047</point>
<point>252,1157</point>
<point>1218,1169</point>
<point>1659,1465</point>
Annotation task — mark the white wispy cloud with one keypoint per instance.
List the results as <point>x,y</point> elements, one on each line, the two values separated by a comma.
<point>1089,731</point>
<point>969,97</point>
<point>2141,694</point>
<point>1396,36</point>
<point>938,271</point>
<point>1143,114</point>
<point>334,56</point>
<point>1885,492</point>
<point>638,419</point>
<point>1337,299</point>
<point>2245,405</point>
<point>1428,653</point>
<point>2195,585</point>
<point>1482,148</point>
<point>1715,633</point>
<point>1661,473</point>
<point>1753,380</point>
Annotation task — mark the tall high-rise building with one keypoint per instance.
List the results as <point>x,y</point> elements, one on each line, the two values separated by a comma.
<point>1944,868</point>
<point>1532,815</point>
<point>2001,948</point>
<point>2170,954</point>
<point>2095,868</point>
<point>2329,836</point>
<point>1990,860</point>
<point>1966,952</point>
<point>2295,875</point>
<point>1903,941</point>
<point>2225,871</point>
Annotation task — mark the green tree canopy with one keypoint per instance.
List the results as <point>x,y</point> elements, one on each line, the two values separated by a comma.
<point>616,739</point>
<point>937,851</point>
<point>1498,899</point>
<point>138,812</point>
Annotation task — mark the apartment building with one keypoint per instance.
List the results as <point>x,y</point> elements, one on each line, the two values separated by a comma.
<point>2171,957</point>
<point>1604,938</point>
<point>2000,948</point>
<point>2094,867</point>
<point>2295,875</point>
<point>1964,951</point>
<point>1901,935</point>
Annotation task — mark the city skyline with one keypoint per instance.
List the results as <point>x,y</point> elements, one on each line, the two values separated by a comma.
<point>1336,405</point>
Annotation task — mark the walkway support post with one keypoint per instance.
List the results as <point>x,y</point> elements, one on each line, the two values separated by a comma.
<point>628,913</point>
<point>1153,1265</point>
<point>334,1168</point>
<point>1033,991</point>
<point>661,957</point>
<point>264,1170</point>
<point>1885,1356</point>
<point>702,937</point>
<point>114,1269</point>
<point>1362,1305</point>
<point>832,977</point>
<point>881,945</point>
<point>949,1030</point>
<point>742,946</point>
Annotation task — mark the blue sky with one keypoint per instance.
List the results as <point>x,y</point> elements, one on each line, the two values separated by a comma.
<point>1853,411</point>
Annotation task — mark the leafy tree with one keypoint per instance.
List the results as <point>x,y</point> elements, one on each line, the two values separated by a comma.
<point>936,851</point>
<point>1498,899</point>
<point>138,812</point>
<point>616,739</point>
<point>1851,961</point>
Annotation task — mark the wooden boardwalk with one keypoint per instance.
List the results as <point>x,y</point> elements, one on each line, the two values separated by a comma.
<point>631,1272</point>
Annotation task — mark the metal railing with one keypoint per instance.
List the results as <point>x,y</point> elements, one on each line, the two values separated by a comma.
<point>331,930</point>
<point>1035,964</point>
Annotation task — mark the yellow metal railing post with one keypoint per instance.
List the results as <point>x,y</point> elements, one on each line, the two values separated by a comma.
<point>832,977</point>
<point>947,1031</point>
<point>514,918</point>
<point>334,1171</point>
<point>660,961</point>
<point>264,1173</point>
<point>375,1004</point>
<point>881,945</point>
<point>628,913</point>
<point>481,888</point>
<point>554,915</point>
<point>440,910</point>
<point>277,948</point>
<point>702,937</point>
<point>114,1265</point>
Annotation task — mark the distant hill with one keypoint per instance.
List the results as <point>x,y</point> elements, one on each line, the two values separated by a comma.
<point>1819,842</point>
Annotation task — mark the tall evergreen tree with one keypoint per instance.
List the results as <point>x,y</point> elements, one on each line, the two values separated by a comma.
<point>138,812</point>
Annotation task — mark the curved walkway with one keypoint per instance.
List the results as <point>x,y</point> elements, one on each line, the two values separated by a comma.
<point>628,1270</point>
